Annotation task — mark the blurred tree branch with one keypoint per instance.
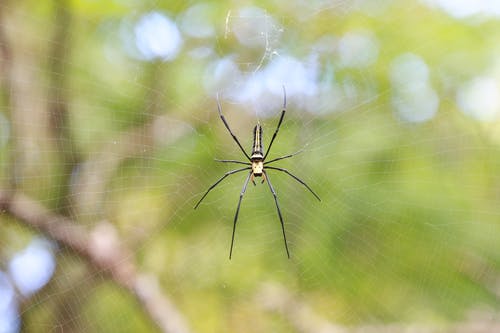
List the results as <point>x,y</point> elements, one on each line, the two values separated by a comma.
<point>57,108</point>
<point>157,129</point>
<point>91,181</point>
<point>5,61</point>
<point>7,82</point>
<point>276,298</point>
<point>102,248</point>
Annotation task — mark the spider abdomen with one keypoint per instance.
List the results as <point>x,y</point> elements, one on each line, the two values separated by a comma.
<point>257,150</point>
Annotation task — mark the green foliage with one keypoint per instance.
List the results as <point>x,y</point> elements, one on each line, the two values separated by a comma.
<point>407,230</point>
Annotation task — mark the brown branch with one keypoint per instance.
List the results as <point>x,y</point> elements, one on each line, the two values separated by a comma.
<point>23,94</point>
<point>5,58</point>
<point>276,298</point>
<point>7,82</point>
<point>57,108</point>
<point>91,182</point>
<point>102,249</point>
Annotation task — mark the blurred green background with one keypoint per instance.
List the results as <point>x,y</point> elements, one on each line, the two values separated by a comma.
<point>108,118</point>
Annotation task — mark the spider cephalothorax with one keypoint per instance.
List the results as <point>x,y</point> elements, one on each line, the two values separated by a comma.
<point>257,165</point>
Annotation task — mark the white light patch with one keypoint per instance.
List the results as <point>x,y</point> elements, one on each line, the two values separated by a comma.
<point>264,89</point>
<point>157,37</point>
<point>417,105</point>
<point>480,98</point>
<point>412,94</point>
<point>6,293</point>
<point>408,69</point>
<point>465,8</point>
<point>296,75</point>
<point>253,27</point>
<point>221,73</point>
<point>9,316</point>
<point>195,21</point>
<point>33,267</point>
<point>358,49</point>
<point>201,52</point>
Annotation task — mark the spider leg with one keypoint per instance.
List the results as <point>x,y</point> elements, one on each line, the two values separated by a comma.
<point>237,211</point>
<point>252,179</point>
<point>279,211</point>
<point>279,123</point>
<point>232,161</point>
<point>286,156</point>
<point>296,178</point>
<point>217,182</point>
<point>229,129</point>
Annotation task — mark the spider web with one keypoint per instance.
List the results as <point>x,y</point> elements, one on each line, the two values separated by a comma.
<point>393,105</point>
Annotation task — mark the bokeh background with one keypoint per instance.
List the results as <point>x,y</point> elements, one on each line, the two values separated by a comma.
<point>108,134</point>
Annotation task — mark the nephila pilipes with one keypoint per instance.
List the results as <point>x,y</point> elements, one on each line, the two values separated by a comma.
<point>257,165</point>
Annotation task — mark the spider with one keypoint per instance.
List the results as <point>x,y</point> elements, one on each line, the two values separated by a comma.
<point>257,165</point>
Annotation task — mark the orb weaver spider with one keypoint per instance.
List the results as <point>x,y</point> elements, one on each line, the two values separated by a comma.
<point>257,165</point>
